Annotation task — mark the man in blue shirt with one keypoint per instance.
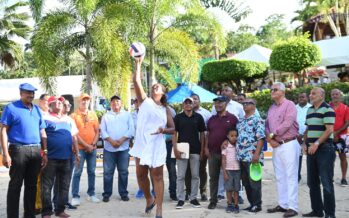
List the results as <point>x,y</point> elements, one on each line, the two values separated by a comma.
<point>116,129</point>
<point>61,142</point>
<point>23,129</point>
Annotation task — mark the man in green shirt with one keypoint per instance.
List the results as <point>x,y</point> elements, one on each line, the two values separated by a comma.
<point>321,155</point>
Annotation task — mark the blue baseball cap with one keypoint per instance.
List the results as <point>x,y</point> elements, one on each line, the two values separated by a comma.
<point>221,98</point>
<point>28,87</point>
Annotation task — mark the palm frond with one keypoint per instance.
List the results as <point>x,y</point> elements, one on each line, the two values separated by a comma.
<point>85,8</point>
<point>36,8</point>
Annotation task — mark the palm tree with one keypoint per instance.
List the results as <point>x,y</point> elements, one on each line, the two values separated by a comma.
<point>92,29</point>
<point>12,24</point>
<point>236,9</point>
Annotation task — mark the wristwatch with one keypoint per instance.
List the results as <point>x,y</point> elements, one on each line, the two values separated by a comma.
<point>316,143</point>
<point>271,135</point>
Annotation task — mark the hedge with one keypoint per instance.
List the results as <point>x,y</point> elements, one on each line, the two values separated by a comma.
<point>232,70</point>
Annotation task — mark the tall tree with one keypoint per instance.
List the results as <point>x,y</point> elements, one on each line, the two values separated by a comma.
<point>273,31</point>
<point>236,9</point>
<point>241,39</point>
<point>12,24</point>
<point>88,27</point>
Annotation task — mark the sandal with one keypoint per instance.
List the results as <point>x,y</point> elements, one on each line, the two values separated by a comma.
<point>150,207</point>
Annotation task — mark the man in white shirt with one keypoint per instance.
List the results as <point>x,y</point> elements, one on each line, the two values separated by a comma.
<point>302,108</point>
<point>117,128</point>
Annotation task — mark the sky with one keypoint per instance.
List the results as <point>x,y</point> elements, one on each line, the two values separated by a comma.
<point>261,9</point>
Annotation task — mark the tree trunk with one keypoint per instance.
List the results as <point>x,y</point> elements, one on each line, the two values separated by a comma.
<point>89,70</point>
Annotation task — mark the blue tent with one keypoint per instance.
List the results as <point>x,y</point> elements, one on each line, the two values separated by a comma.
<point>185,90</point>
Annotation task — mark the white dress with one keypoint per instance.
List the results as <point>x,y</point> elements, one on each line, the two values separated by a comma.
<point>150,149</point>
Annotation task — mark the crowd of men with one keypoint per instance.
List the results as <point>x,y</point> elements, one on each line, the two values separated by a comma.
<point>47,148</point>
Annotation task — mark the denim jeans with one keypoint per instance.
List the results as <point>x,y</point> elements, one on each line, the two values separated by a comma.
<point>26,164</point>
<point>214,168</point>
<point>320,168</point>
<point>253,188</point>
<point>59,170</point>
<point>55,187</point>
<point>91,168</point>
<point>171,168</point>
<point>120,160</point>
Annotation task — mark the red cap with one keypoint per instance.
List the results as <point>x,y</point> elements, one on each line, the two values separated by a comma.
<point>52,99</point>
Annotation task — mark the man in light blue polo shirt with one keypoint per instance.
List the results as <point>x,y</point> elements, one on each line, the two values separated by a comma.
<point>117,128</point>
<point>23,129</point>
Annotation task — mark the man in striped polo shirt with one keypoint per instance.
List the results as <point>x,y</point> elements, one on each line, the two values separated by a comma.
<point>321,154</point>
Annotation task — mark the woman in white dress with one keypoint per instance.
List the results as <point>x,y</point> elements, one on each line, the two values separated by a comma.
<point>153,120</point>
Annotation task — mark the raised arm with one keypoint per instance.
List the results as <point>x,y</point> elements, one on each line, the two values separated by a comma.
<point>137,80</point>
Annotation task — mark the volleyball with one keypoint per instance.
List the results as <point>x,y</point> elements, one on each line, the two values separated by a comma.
<point>137,50</point>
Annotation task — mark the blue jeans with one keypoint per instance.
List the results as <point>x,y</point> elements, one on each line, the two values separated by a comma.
<point>119,159</point>
<point>320,168</point>
<point>91,168</point>
<point>171,168</point>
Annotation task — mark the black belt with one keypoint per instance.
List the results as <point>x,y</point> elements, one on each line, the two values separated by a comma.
<point>286,140</point>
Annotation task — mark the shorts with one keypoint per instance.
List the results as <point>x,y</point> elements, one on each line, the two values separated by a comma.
<point>233,183</point>
<point>341,146</point>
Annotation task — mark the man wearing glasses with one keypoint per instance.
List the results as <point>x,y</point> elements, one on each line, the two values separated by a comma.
<point>88,126</point>
<point>250,142</point>
<point>281,132</point>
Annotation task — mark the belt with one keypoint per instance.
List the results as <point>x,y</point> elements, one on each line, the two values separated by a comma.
<point>26,145</point>
<point>286,140</point>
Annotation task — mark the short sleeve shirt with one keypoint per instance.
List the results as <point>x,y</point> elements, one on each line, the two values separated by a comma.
<point>24,124</point>
<point>232,162</point>
<point>217,127</point>
<point>188,129</point>
<point>316,121</point>
<point>342,115</point>
<point>250,129</point>
<point>86,123</point>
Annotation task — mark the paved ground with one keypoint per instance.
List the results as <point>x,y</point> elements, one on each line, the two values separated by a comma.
<point>135,207</point>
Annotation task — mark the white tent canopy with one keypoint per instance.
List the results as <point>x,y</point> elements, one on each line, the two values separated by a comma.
<point>334,51</point>
<point>255,53</point>
<point>9,88</point>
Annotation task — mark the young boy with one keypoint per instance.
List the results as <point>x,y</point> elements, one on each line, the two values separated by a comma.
<point>231,170</point>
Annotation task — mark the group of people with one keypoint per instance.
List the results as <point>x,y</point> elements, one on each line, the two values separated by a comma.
<point>46,148</point>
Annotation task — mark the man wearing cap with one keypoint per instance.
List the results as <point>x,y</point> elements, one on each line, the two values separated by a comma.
<point>23,129</point>
<point>189,128</point>
<point>250,142</point>
<point>217,128</point>
<point>203,161</point>
<point>282,132</point>
<point>117,129</point>
<point>61,143</point>
<point>88,126</point>
<point>237,110</point>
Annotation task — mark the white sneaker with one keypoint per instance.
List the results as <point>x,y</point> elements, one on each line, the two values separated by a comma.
<point>93,199</point>
<point>75,201</point>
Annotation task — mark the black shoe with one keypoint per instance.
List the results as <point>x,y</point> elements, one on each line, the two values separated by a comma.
<point>203,197</point>
<point>212,205</point>
<point>255,209</point>
<point>236,209</point>
<point>106,199</point>
<point>313,214</point>
<point>248,208</point>
<point>125,198</point>
<point>195,203</point>
<point>241,200</point>
<point>344,183</point>
<point>70,207</point>
<point>180,205</point>
<point>330,216</point>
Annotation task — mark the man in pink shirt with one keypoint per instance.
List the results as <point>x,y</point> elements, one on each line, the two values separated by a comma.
<point>281,132</point>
